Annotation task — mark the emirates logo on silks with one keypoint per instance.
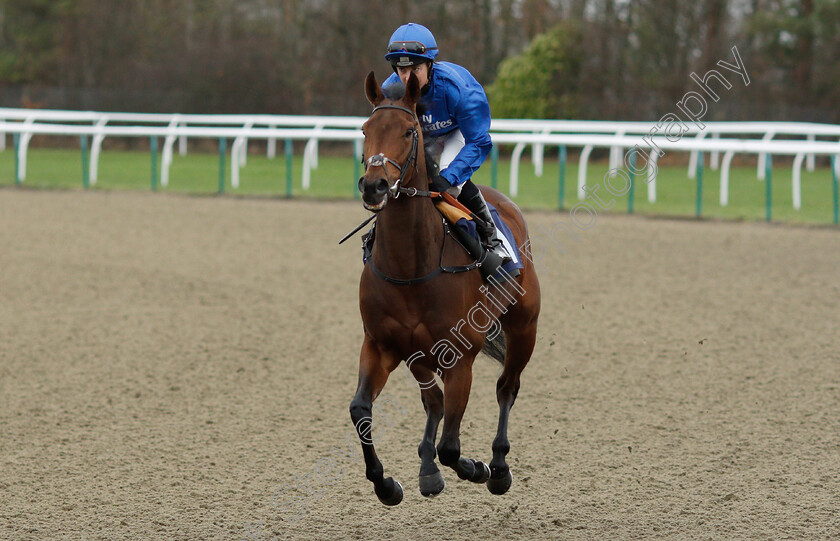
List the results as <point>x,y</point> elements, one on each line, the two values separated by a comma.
<point>429,126</point>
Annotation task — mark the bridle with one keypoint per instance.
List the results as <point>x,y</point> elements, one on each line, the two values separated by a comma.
<point>381,160</point>
<point>394,190</point>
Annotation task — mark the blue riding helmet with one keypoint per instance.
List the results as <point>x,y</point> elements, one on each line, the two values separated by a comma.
<point>411,44</point>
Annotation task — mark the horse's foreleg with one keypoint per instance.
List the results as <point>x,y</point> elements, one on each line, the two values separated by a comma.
<point>518,353</point>
<point>374,368</point>
<point>431,480</point>
<point>457,383</point>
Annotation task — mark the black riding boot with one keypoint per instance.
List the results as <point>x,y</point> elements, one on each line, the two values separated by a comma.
<point>491,241</point>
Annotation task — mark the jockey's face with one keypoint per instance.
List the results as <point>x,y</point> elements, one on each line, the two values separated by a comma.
<point>421,71</point>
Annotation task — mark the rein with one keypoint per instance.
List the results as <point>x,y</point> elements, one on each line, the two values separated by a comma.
<point>423,279</point>
<point>380,160</point>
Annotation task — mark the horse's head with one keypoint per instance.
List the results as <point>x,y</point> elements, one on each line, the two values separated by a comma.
<point>392,144</point>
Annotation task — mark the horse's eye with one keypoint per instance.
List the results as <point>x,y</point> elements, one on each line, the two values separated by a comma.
<point>409,133</point>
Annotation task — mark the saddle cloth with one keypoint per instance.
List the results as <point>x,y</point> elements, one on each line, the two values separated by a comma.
<point>458,218</point>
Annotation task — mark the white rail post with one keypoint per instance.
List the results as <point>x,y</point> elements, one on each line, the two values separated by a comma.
<point>724,177</point>
<point>22,146</point>
<point>271,145</point>
<point>811,162</point>
<point>538,154</point>
<point>182,142</point>
<point>796,186</point>
<point>235,165</point>
<point>95,149</point>
<point>714,158</point>
<point>240,144</point>
<point>584,160</point>
<point>166,154</point>
<point>616,153</point>
<point>652,174</point>
<point>310,158</point>
<point>692,160</point>
<point>514,168</point>
<point>762,158</point>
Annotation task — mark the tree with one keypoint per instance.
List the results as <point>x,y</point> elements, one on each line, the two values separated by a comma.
<point>28,45</point>
<point>540,83</point>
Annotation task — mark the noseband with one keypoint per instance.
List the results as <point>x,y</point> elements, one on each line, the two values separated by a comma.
<point>381,160</point>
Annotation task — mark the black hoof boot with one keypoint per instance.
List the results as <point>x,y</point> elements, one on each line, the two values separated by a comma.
<point>431,485</point>
<point>391,492</point>
<point>500,486</point>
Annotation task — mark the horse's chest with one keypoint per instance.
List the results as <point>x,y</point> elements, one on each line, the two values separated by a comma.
<point>406,329</point>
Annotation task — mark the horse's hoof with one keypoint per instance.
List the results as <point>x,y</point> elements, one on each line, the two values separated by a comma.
<point>431,485</point>
<point>500,486</point>
<point>466,468</point>
<point>482,472</point>
<point>393,495</point>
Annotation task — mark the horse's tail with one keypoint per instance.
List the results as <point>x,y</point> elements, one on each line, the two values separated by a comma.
<point>496,347</point>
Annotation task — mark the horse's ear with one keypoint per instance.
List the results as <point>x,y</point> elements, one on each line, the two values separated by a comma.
<point>412,90</point>
<point>372,90</point>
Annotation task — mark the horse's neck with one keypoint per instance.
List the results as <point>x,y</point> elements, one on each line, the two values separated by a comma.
<point>409,237</point>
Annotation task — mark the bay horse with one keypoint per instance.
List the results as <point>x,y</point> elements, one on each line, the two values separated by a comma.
<point>416,309</point>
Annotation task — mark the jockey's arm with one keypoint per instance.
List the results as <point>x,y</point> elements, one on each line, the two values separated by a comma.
<point>471,111</point>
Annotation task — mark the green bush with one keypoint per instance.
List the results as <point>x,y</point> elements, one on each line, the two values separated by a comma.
<point>539,83</point>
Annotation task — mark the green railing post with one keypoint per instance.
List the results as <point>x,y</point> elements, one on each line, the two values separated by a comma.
<point>768,189</point>
<point>222,152</point>
<point>85,162</point>
<point>154,148</point>
<point>357,165</point>
<point>17,159</point>
<point>494,167</point>
<point>835,189</point>
<point>698,207</point>
<point>561,178</point>
<point>631,194</point>
<point>288,167</point>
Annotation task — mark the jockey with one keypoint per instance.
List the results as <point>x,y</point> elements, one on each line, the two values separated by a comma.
<point>455,117</point>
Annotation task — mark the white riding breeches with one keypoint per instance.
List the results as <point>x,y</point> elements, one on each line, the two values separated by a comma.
<point>444,149</point>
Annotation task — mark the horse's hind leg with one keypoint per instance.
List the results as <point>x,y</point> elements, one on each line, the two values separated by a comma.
<point>374,368</point>
<point>520,345</point>
<point>431,480</point>
<point>457,382</point>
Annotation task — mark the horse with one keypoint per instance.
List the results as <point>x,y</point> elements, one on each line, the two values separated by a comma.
<point>412,304</point>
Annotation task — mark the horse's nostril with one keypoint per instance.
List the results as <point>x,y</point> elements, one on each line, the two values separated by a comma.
<point>361,184</point>
<point>382,186</point>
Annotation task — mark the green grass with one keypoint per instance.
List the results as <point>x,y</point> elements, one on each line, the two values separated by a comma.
<point>336,177</point>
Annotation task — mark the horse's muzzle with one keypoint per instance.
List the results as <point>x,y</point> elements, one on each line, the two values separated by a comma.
<point>374,193</point>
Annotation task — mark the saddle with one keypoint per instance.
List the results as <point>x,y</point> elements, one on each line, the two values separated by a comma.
<point>460,225</point>
<point>450,212</point>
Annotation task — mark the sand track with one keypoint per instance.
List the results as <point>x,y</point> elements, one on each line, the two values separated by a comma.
<point>168,363</point>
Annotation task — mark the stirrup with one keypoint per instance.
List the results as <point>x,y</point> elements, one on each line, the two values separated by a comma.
<point>491,264</point>
<point>494,245</point>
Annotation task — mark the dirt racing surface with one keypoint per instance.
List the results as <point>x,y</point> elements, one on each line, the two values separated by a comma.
<point>181,368</point>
